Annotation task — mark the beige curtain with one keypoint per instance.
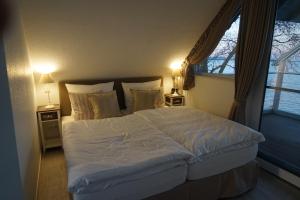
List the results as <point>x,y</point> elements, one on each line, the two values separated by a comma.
<point>209,40</point>
<point>255,33</point>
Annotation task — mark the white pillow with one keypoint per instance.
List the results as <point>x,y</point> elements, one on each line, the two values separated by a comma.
<point>88,89</point>
<point>150,85</point>
<point>84,89</point>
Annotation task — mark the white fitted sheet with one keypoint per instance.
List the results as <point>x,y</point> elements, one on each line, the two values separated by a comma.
<point>141,188</point>
<point>222,162</point>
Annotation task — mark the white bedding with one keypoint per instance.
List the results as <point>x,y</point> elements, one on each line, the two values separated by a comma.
<point>204,134</point>
<point>140,188</point>
<point>111,151</point>
<point>106,154</point>
<point>70,118</point>
<point>66,119</point>
<point>221,163</point>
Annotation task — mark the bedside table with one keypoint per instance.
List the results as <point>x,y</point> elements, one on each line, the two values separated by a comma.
<point>49,126</point>
<point>174,100</point>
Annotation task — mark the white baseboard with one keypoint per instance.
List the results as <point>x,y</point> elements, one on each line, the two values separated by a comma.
<point>285,175</point>
<point>38,179</point>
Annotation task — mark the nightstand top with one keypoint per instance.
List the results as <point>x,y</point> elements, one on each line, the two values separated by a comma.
<point>172,95</point>
<point>45,108</point>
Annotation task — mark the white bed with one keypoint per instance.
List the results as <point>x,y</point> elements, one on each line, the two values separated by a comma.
<point>217,144</point>
<point>149,152</point>
<point>216,164</point>
<point>70,118</point>
<point>66,119</point>
<point>140,188</point>
<point>221,163</point>
<point>108,158</point>
<point>187,144</point>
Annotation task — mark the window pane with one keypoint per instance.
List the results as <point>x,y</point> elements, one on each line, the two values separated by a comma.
<point>271,81</point>
<point>269,99</point>
<point>291,81</point>
<point>280,122</point>
<point>222,60</point>
<point>289,102</point>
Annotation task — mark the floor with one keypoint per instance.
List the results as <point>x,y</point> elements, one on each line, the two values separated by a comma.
<point>53,177</point>
<point>53,182</point>
<point>282,141</point>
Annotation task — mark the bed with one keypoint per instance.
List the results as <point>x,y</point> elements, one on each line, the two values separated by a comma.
<point>217,144</point>
<point>108,157</point>
<point>197,166</point>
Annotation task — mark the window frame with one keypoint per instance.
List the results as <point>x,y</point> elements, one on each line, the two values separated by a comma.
<point>221,75</point>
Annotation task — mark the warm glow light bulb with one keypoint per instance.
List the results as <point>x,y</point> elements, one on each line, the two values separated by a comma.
<point>44,68</point>
<point>176,65</point>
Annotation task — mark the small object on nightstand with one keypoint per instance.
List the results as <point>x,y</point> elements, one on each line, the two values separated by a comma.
<point>174,100</point>
<point>49,126</point>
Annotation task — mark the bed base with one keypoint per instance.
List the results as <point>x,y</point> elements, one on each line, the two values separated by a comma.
<point>226,185</point>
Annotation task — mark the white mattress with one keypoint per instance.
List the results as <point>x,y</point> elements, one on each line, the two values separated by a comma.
<point>66,119</point>
<point>222,162</point>
<point>141,188</point>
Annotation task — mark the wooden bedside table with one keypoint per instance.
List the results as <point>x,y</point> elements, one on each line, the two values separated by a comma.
<point>174,100</point>
<point>49,126</point>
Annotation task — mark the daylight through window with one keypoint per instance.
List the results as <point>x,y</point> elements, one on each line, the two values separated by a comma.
<point>222,59</point>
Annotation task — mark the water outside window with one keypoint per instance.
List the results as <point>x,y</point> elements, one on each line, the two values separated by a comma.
<point>222,59</point>
<point>281,115</point>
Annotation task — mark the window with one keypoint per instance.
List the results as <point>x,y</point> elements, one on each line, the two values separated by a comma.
<point>222,59</point>
<point>280,121</point>
<point>283,83</point>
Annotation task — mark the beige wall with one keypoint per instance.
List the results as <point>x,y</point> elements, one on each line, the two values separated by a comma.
<point>42,98</point>
<point>113,38</point>
<point>22,90</point>
<point>213,94</point>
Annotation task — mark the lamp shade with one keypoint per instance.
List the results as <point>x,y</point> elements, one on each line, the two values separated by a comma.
<point>46,78</point>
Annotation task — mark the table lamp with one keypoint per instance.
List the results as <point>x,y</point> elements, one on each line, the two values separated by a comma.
<point>176,76</point>
<point>47,79</point>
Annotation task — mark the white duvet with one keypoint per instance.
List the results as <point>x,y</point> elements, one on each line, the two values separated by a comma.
<point>201,133</point>
<point>106,152</point>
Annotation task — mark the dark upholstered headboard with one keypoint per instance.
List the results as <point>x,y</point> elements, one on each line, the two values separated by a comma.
<point>64,99</point>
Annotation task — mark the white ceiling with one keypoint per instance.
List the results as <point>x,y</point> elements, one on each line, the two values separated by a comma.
<point>113,38</point>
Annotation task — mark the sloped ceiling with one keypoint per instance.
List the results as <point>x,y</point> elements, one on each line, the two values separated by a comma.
<point>114,38</point>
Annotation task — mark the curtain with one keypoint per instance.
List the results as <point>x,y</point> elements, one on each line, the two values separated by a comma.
<point>4,15</point>
<point>209,40</point>
<point>255,33</point>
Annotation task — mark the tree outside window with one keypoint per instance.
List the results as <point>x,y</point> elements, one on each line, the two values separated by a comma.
<point>222,60</point>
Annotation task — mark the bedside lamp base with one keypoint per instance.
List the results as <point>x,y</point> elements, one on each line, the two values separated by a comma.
<point>175,92</point>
